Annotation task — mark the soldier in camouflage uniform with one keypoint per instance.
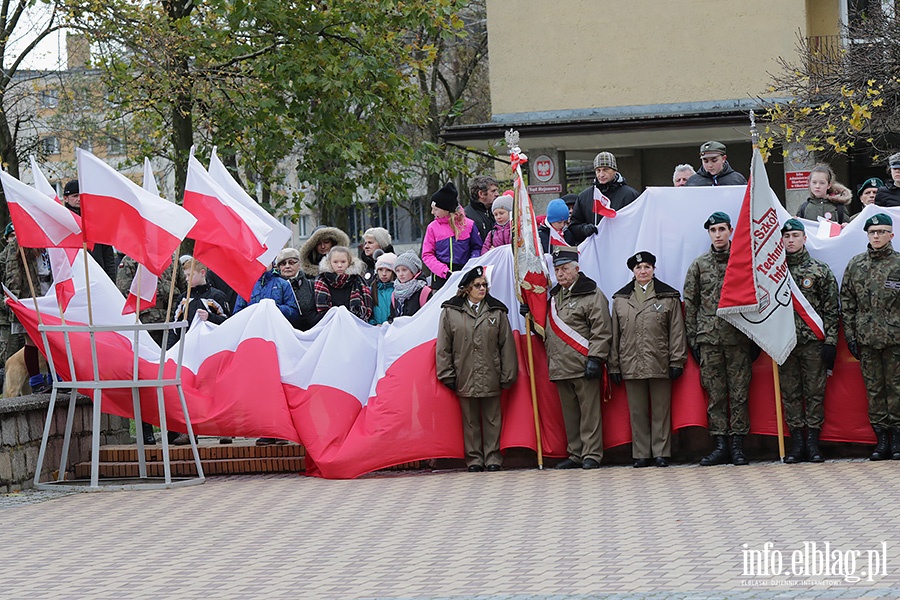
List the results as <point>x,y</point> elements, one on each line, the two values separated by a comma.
<point>803,374</point>
<point>870,301</point>
<point>152,314</point>
<point>10,343</point>
<point>724,353</point>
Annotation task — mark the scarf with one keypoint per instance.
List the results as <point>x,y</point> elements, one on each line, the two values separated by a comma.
<point>360,296</point>
<point>404,291</point>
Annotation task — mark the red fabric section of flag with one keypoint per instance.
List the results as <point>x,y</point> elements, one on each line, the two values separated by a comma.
<point>219,225</point>
<point>30,235</point>
<point>739,288</point>
<point>108,220</point>
<point>235,268</point>
<point>602,205</point>
<point>131,304</point>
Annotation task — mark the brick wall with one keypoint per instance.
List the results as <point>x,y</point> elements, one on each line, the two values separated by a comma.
<point>21,428</point>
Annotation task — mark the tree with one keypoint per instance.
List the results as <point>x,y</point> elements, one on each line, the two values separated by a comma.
<point>842,95</point>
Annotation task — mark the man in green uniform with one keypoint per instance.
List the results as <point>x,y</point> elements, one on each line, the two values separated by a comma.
<point>803,374</point>
<point>724,353</point>
<point>870,302</point>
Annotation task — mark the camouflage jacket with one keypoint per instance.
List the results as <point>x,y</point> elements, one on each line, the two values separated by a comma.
<point>702,288</point>
<point>870,298</point>
<point>4,310</point>
<point>156,313</point>
<point>819,287</point>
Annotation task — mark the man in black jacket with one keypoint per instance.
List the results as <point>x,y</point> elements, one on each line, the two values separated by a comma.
<point>482,192</point>
<point>611,184</point>
<point>715,169</point>
<point>889,195</point>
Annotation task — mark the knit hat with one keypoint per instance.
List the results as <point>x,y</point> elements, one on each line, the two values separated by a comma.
<point>446,198</point>
<point>605,159</point>
<point>386,261</point>
<point>285,254</point>
<point>641,257</point>
<point>793,225</point>
<point>712,147</point>
<point>871,182</point>
<point>716,218</point>
<point>382,236</point>
<point>879,219</point>
<point>471,276</point>
<point>184,258</point>
<point>557,211</point>
<point>409,260</point>
<point>564,254</point>
<point>9,230</point>
<point>71,188</point>
<point>503,201</point>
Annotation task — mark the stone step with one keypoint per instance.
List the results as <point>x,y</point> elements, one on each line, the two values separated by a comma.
<point>183,468</point>
<point>208,448</point>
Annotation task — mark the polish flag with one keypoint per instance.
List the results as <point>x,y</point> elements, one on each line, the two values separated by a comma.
<point>145,282</point>
<point>531,270</point>
<point>230,238</point>
<point>556,237</point>
<point>280,235</point>
<point>60,259</point>
<point>118,212</point>
<point>40,222</point>
<point>601,205</point>
<point>827,228</point>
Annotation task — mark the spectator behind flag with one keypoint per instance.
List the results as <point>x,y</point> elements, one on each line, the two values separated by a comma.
<point>116,211</point>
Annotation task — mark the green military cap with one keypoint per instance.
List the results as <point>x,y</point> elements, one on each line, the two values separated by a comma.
<point>564,254</point>
<point>871,182</point>
<point>793,225</point>
<point>879,219</point>
<point>9,230</point>
<point>716,218</point>
<point>712,147</point>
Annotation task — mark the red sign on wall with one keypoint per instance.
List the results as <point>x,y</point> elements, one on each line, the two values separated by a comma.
<point>796,180</point>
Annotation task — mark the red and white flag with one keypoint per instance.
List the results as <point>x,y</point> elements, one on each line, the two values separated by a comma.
<point>601,205</point>
<point>757,296</point>
<point>145,282</point>
<point>118,212</point>
<point>40,222</point>
<point>556,237</point>
<point>60,259</point>
<point>531,271</point>
<point>280,235</point>
<point>229,237</point>
<point>827,228</point>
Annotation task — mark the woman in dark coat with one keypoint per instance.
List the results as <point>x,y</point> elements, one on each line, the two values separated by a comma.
<point>476,358</point>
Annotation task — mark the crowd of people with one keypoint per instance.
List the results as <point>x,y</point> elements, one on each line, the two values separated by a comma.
<point>642,341</point>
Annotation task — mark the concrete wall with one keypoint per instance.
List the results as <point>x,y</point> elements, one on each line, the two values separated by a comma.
<point>22,425</point>
<point>577,54</point>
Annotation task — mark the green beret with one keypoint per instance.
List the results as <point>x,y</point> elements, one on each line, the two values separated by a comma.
<point>716,218</point>
<point>9,230</point>
<point>793,225</point>
<point>871,182</point>
<point>879,219</point>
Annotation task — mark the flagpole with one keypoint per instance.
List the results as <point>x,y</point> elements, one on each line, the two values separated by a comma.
<point>30,284</point>
<point>137,306</point>
<point>87,284</point>
<point>534,404</point>
<point>173,279</point>
<point>776,379</point>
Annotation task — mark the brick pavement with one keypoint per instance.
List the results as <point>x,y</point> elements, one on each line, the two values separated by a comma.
<point>612,533</point>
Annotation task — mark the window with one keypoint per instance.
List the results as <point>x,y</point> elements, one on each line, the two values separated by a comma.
<point>49,98</point>
<point>114,146</point>
<point>302,226</point>
<point>50,145</point>
<point>86,144</point>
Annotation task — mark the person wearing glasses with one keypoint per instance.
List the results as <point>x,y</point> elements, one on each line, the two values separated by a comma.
<point>870,305</point>
<point>476,358</point>
<point>287,264</point>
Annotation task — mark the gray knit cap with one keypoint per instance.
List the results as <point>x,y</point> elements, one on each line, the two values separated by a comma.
<point>382,236</point>
<point>409,260</point>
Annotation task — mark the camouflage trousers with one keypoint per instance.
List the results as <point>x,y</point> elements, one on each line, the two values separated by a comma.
<point>881,374</point>
<point>10,343</point>
<point>803,377</point>
<point>725,375</point>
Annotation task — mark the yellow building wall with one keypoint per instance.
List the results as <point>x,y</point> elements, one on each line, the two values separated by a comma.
<point>578,54</point>
<point>823,17</point>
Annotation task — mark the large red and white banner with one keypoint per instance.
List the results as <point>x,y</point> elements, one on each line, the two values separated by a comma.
<point>361,398</point>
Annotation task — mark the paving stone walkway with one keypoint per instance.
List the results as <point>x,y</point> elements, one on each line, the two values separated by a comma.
<point>611,533</point>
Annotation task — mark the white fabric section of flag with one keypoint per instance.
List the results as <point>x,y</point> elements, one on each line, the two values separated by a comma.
<point>528,257</point>
<point>827,228</point>
<point>571,337</point>
<point>200,181</point>
<point>556,237</point>
<point>60,265</point>
<point>769,322</point>
<point>41,183</point>
<point>52,218</point>
<point>279,235</point>
<point>149,182</point>
<point>145,282</point>
<point>806,311</point>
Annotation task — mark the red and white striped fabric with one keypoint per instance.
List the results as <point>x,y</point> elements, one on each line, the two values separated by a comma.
<point>40,221</point>
<point>827,228</point>
<point>60,259</point>
<point>118,212</point>
<point>556,237</point>
<point>531,269</point>
<point>229,237</point>
<point>273,241</point>
<point>806,311</point>
<point>143,287</point>
<point>571,337</point>
<point>601,205</point>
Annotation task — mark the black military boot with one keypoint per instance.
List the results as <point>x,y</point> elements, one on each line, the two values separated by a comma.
<point>895,443</point>
<point>882,448</point>
<point>719,455</point>
<point>812,446</point>
<point>737,451</point>
<point>795,454</point>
